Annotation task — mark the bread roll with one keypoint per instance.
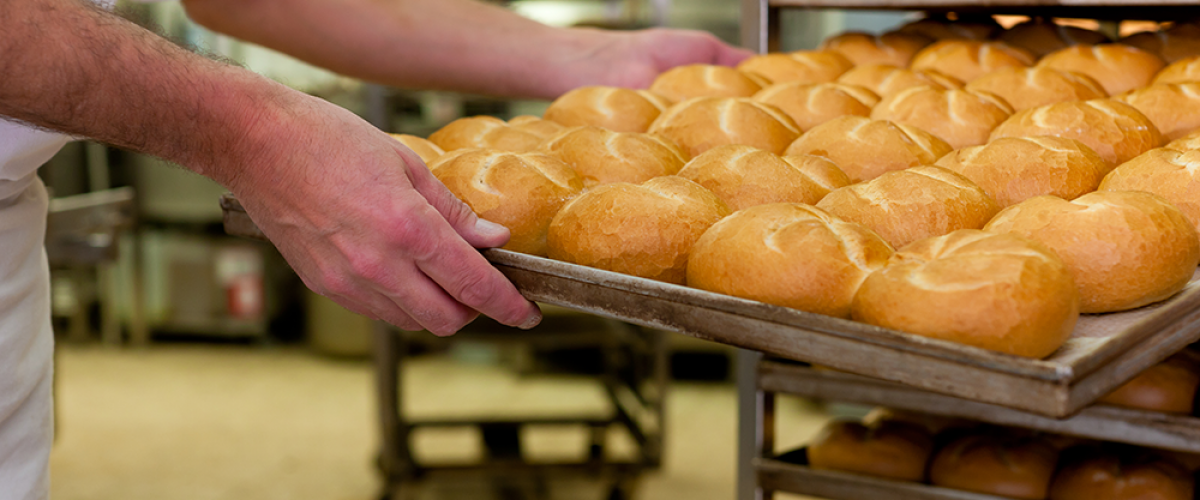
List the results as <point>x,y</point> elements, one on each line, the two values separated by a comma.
<point>894,48</point>
<point>1108,476</point>
<point>1040,36</point>
<point>521,191</point>
<point>1171,174</point>
<point>1180,41</point>
<point>806,66</point>
<point>960,117</point>
<point>913,204</point>
<point>1181,71</point>
<point>645,229</point>
<point>994,291</point>
<point>698,125</point>
<point>1125,249</point>
<point>540,127</point>
<point>743,176</point>
<point>602,156</point>
<point>1118,68</point>
<point>967,60</point>
<point>1185,143</point>
<point>614,108</point>
<point>996,465</point>
<point>787,254</point>
<point>811,104</point>
<point>427,150</point>
<point>1014,169</point>
<point>705,80</point>
<point>1025,88</point>
<point>1168,387</point>
<point>486,132</point>
<point>1114,130</point>
<point>945,29</point>
<point>1174,108</point>
<point>865,149</point>
<point>893,450</point>
<point>886,80</point>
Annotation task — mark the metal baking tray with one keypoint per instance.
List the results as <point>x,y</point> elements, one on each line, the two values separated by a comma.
<point>1104,351</point>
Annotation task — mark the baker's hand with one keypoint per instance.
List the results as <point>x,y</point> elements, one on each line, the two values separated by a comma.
<point>363,222</point>
<point>634,59</point>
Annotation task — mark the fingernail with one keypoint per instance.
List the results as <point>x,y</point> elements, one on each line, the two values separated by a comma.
<point>488,227</point>
<point>531,321</point>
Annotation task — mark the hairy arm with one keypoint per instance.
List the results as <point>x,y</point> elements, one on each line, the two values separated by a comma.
<point>461,45</point>
<point>357,215</point>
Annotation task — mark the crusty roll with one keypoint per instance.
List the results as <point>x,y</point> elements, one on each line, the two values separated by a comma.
<point>1169,387</point>
<point>645,229</point>
<point>1014,169</point>
<point>1041,36</point>
<point>913,204</point>
<point>1025,88</point>
<point>1181,71</point>
<point>945,29</point>
<point>602,156</point>
<point>994,291</point>
<point>1180,41</point>
<point>967,60</point>
<point>1185,143</point>
<point>1171,174</point>
<point>705,80</point>
<point>614,108</point>
<point>960,117</point>
<point>1172,107</point>
<point>1099,475</point>
<point>1114,130</point>
<point>811,104</point>
<point>1125,249</point>
<point>1118,68</point>
<point>787,254</point>
<point>893,48</point>
<point>698,125</point>
<point>743,176</point>
<point>486,132</point>
<point>886,80</point>
<point>894,450</point>
<point>865,149</point>
<point>996,465</point>
<point>521,191</point>
<point>540,127</point>
<point>806,66</point>
<point>427,150</point>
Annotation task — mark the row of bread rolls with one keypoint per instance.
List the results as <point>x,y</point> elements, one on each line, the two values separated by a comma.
<point>1003,462</point>
<point>1169,387</point>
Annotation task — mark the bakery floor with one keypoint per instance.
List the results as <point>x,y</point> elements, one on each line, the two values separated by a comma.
<point>200,422</point>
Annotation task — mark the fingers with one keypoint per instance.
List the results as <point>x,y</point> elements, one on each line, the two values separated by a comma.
<point>479,233</point>
<point>730,56</point>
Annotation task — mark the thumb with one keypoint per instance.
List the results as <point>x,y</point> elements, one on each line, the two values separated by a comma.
<point>478,232</point>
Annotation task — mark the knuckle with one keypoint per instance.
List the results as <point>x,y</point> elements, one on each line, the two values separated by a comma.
<point>474,289</point>
<point>412,234</point>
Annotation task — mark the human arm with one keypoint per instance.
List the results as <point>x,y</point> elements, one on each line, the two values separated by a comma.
<point>463,45</point>
<point>356,214</point>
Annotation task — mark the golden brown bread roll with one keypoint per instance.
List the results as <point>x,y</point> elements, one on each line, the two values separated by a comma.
<point>602,156</point>
<point>1169,173</point>
<point>1014,169</point>
<point>1041,36</point>
<point>614,108</point>
<point>1174,108</point>
<point>1109,476</point>
<point>743,176</point>
<point>865,149</point>
<point>1181,71</point>
<point>811,104</point>
<point>960,117</point>
<point>894,48</point>
<point>1169,387</point>
<point>997,465</point>
<point>787,254</point>
<point>486,132</point>
<point>1125,249</point>
<point>994,291</point>
<point>1181,40</point>
<point>540,127</point>
<point>698,125</point>
<point>913,204</point>
<point>806,66</point>
<point>1025,88</point>
<point>967,60</point>
<point>886,80</point>
<point>1118,68</point>
<point>1114,130</point>
<point>427,150</point>
<point>645,229</point>
<point>521,191</point>
<point>705,80</point>
<point>894,450</point>
<point>945,29</point>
